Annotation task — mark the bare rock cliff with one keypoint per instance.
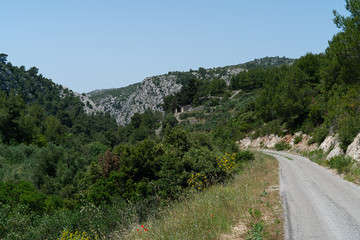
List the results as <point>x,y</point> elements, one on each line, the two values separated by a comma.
<point>149,94</point>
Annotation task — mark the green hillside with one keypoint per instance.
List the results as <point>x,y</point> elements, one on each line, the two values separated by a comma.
<point>120,93</point>
<point>62,170</point>
<point>228,71</point>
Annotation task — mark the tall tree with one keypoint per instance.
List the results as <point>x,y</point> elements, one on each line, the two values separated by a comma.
<point>344,48</point>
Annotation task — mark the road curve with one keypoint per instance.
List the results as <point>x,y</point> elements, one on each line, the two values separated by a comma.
<point>317,203</point>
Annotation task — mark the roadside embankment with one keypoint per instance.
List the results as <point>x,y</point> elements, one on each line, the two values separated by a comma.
<point>328,153</point>
<point>247,207</point>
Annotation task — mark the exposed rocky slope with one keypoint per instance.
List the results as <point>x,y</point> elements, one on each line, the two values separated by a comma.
<point>272,139</point>
<point>330,146</point>
<point>122,103</point>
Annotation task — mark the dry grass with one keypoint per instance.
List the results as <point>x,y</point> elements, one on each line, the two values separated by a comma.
<point>247,207</point>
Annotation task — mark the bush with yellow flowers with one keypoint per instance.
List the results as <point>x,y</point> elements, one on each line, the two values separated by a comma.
<point>227,162</point>
<point>198,181</point>
<point>77,235</point>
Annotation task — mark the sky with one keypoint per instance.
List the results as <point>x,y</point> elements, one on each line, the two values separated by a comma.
<point>99,44</point>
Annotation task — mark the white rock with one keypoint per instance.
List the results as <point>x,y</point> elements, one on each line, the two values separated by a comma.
<point>272,140</point>
<point>335,152</point>
<point>328,143</point>
<point>245,143</point>
<point>258,142</point>
<point>353,149</point>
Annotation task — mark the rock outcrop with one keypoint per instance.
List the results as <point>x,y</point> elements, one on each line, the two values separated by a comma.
<point>353,150</point>
<point>271,140</point>
<point>151,91</point>
<point>330,146</point>
<point>329,143</point>
<point>149,94</point>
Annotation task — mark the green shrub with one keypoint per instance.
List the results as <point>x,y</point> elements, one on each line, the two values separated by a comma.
<point>183,116</point>
<point>212,102</point>
<point>342,163</point>
<point>349,127</point>
<point>282,146</point>
<point>298,139</point>
<point>319,135</point>
<point>244,156</point>
<point>273,127</point>
<point>316,156</point>
<point>95,221</point>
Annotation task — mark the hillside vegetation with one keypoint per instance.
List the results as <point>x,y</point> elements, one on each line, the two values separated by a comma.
<point>62,170</point>
<point>123,103</point>
<point>317,94</point>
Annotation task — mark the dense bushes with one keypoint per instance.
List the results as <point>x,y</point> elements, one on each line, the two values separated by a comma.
<point>282,146</point>
<point>342,163</point>
<point>65,186</point>
<point>158,168</point>
<point>317,156</point>
<point>348,129</point>
<point>52,177</point>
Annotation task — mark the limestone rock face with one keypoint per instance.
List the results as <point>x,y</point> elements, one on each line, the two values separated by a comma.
<point>123,104</point>
<point>353,149</point>
<point>258,142</point>
<point>328,143</point>
<point>331,145</point>
<point>89,106</point>
<point>336,151</point>
<point>289,139</point>
<point>245,143</point>
<point>149,94</point>
<point>271,140</point>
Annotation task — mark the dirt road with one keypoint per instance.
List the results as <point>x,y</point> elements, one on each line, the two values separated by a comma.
<point>317,203</point>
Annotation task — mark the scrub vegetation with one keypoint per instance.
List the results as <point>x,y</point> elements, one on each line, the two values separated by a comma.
<point>65,174</point>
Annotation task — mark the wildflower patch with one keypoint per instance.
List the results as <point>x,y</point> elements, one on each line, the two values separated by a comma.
<point>198,181</point>
<point>227,162</point>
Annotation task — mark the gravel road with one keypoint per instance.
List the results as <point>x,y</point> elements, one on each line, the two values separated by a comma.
<point>317,203</point>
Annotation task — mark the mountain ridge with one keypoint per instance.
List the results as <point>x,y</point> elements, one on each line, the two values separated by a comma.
<point>123,103</point>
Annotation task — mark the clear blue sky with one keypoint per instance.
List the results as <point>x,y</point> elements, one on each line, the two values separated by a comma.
<point>95,44</point>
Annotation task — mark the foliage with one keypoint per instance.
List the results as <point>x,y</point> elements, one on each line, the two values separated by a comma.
<point>317,156</point>
<point>348,129</point>
<point>226,162</point>
<point>68,235</point>
<point>198,181</point>
<point>121,94</point>
<point>272,127</point>
<point>142,126</point>
<point>61,168</point>
<point>109,162</point>
<point>211,214</point>
<point>257,231</point>
<point>344,47</point>
<point>248,80</point>
<point>245,155</point>
<point>282,146</point>
<point>298,139</point>
<point>342,164</point>
<point>319,135</point>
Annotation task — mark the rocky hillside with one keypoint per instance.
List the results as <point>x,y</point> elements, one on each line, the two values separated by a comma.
<point>299,142</point>
<point>123,103</point>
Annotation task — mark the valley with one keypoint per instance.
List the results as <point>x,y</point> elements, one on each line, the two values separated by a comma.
<point>114,163</point>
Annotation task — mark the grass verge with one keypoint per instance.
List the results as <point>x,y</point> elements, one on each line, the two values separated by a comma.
<point>248,207</point>
<point>346,167</point>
